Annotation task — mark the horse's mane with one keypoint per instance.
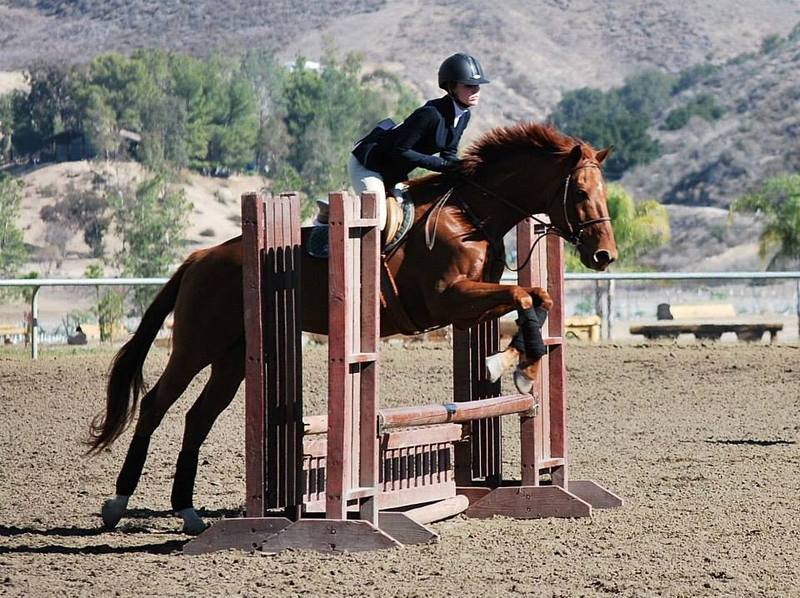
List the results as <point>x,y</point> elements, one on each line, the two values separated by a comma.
<point>500,142</point>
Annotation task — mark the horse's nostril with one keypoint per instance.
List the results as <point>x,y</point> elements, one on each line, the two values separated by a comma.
<point>602,257</point>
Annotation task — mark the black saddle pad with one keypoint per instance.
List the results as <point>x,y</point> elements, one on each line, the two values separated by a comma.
<point>317,244</point>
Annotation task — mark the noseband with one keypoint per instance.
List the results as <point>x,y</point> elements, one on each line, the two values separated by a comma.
<point>574,232</point>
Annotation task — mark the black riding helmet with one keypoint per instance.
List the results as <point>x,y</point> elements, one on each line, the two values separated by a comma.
<point>461,68</point>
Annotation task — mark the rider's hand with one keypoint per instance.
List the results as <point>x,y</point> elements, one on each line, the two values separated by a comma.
<point>452,165</point>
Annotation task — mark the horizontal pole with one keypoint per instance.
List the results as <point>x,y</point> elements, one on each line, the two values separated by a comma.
<point>82,282</point>
<point>315,424</point>
<point>508,278</point>
<point>511,278</point>
<point>444,509</point>
<point>426,415</point>
<point>455,413</point>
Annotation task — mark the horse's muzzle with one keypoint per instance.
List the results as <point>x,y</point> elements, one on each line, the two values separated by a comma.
<point>602,259</point>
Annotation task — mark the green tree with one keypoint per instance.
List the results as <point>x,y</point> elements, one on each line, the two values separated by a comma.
<point>333,106</point>
<point>268,80</point>
<point>12,246</point>
<point>6,126</point>
<point>401,100</point>
<point>639,227</point>
<point>99,122</point>
<point>50,106</point>
<point>109,304</point>
<point>151,222</point>
<point>234,126</point>
<point>777,204</point>
<point>164,133</point>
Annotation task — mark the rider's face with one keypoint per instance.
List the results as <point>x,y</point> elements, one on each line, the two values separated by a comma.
<point>468,95</point>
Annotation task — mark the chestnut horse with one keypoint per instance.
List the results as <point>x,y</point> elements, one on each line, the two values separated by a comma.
<point>507,175</point>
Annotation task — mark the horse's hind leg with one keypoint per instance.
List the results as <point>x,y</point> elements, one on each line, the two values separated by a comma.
<point>173,381</point>
<point>226,376</point>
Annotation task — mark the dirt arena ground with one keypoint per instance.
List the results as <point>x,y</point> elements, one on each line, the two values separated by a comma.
<point>701,441</point>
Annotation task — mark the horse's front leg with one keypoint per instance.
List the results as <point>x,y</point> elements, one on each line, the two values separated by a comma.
<point>492,300</point>
<point>468,302</point>
<point>527,346</point>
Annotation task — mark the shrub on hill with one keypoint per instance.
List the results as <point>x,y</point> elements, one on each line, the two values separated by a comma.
<point>620,117</point>
<point>704,106</point>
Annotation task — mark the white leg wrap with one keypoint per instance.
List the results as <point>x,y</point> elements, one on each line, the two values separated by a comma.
<point>522,382</point>
<point>113,509</point>
<point>494,366</point>
<point>192,523</point>
<point>499,363</point>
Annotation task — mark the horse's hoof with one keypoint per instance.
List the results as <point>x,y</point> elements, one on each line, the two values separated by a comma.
<point>522,382</point>
<point>113,510</point>
<point>192,523</point>
<point>495,366</point>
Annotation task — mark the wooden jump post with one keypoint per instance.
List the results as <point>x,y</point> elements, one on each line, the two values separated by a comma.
<point>544,488</point>
<point>330,493</point>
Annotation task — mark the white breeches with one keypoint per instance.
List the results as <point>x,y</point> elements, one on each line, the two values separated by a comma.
<point>362,179</point>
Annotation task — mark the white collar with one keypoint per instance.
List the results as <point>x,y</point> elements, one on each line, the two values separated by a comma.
<point>458,112</point>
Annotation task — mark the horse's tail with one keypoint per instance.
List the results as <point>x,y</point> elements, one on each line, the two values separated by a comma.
<point>125,378</point>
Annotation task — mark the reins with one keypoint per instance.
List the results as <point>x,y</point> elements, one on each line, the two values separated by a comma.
<point>575,231</point>
<point>573,235</point>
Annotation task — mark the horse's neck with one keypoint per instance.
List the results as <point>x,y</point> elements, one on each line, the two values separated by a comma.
<point>530,190</point>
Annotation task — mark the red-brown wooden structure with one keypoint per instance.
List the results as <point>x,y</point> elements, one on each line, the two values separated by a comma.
<point>330,493</point>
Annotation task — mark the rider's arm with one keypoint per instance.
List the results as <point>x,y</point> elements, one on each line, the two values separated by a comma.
<point>422,122</point>
<point>450,153</point>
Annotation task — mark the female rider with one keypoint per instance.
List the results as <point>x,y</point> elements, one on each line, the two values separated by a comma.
<point>386,156</point>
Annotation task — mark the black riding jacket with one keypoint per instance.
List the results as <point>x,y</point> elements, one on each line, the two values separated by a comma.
<point>429,130</point>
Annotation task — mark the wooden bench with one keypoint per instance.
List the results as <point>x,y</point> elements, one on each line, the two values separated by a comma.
<point>585,328</point>
<point>11,332</point>
<point>707,321</point>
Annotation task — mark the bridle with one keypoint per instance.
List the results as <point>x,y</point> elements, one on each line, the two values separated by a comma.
<point>574,232</point>
<point>573,235</point>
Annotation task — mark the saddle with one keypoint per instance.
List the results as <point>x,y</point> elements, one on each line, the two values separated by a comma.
<point>399,218</point>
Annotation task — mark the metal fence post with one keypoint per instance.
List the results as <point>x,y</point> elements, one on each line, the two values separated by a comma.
<point>797,304</point>
<point>35,323</point>
<point>609,323</point>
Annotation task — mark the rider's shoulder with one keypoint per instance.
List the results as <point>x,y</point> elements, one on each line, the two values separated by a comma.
<point>430,112</point>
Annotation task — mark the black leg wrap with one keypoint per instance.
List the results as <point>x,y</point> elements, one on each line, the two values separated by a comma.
<point>183,484</point>
<point>131,470</point>
<point>529,337</point>
<point>517,342</point>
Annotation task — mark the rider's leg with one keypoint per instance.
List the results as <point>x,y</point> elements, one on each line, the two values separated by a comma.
<point>364,179</point>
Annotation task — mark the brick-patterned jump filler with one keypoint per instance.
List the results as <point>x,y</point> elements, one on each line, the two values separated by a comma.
<point>325,482</point>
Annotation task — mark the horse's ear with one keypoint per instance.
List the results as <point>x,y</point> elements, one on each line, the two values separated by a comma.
<point>603,154</point>
<point>575,156</point>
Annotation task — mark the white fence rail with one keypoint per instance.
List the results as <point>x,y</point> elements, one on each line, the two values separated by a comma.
<point>605,304</point>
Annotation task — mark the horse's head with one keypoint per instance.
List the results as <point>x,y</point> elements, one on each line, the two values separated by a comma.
<point>579,209</point>
<point>531,168</point>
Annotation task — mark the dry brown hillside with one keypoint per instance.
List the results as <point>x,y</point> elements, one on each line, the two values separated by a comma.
<point>215,215</point>
<point>533,49</point>
<point>713,163</point>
